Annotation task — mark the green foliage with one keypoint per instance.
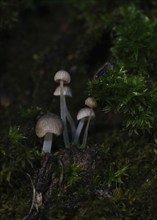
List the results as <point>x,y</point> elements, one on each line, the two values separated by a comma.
<point>135,43</point>
<point>128,91</point>
<point>101,15</point>
<point>128,88</point>
<point>130,96</point>
<point>14,135</point>
<point>15,187</point>
<point>14,156</point>
<point>71,174</point>
<point>15,202</point>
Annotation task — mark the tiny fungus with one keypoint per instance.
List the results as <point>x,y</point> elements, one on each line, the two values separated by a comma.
<point>92,103</point>
<point>66,92</point>
<point>83,115</point>
<point>63,77</point>
<point>46,126</point>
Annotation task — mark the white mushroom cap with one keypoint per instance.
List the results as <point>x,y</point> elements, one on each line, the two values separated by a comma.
<point>85,113</point>
<point>91,102</point>
<point>62,75</point>
<point>66,91</point>
<point>49,123</point>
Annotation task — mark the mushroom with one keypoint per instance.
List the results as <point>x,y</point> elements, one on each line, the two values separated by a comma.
<point>46,126</point>
<point>92,103</point>
<point>63,77</point>
<point>83,115</point>
<point>66,92</point>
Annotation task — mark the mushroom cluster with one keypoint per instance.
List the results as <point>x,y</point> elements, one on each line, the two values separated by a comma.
<point>50,123</point>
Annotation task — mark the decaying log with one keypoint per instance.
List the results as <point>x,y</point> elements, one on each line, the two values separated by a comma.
<point>87,159</point>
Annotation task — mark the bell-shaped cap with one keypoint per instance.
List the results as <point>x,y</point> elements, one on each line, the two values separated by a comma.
<point>85,113</point>
<point>62,75</point>
<point>66,91</point>
<point>91,102</point>
<point>49,123</point>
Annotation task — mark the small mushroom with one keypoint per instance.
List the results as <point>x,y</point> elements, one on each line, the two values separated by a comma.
<point>63,77</point>
<point>83,115</point>
<point>92,103</point>
<point>66,92</point>
<point>46,126</point>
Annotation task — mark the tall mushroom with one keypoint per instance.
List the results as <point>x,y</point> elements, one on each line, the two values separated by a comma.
<point>63,77</point>
<point>66,92</point>
<point>46,126</point>
<point>82,116</point>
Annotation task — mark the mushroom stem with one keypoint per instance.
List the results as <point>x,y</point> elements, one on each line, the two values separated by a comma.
<point>63,116</point>
<point>61,100</point>
<point>47,144</point>
<point>78,130</point>
<point>70,120</point>
<point>86,131</point>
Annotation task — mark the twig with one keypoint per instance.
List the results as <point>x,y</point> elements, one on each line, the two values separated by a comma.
<point>33,197</point>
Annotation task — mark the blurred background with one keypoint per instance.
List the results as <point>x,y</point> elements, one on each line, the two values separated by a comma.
<point>37,39</point>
